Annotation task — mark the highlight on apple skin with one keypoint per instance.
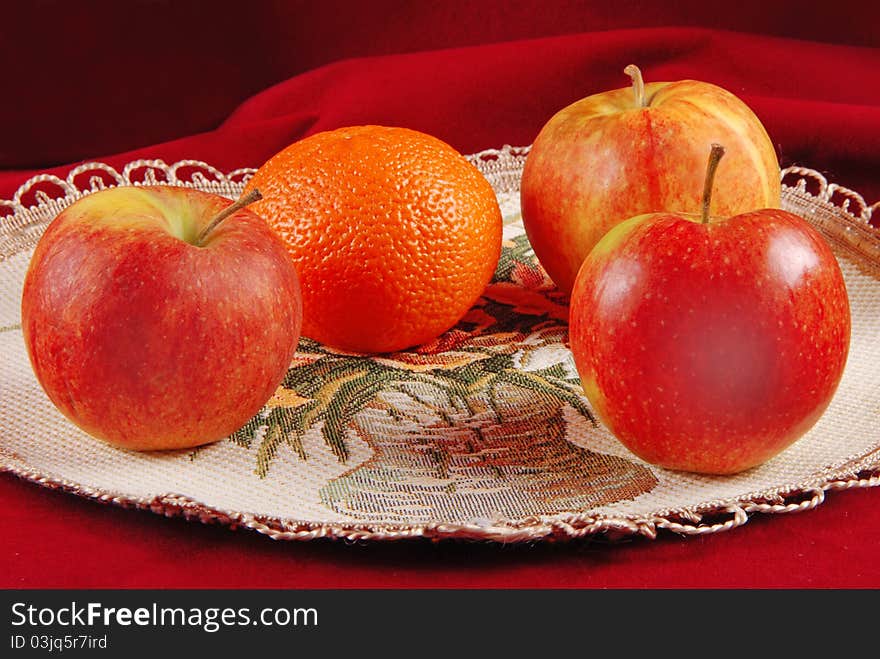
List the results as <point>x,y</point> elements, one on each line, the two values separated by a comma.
<point>710,346</point>
<point>617,154</point>
<point>150,330</point>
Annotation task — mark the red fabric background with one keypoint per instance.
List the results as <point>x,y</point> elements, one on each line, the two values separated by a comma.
<point>232,84</point>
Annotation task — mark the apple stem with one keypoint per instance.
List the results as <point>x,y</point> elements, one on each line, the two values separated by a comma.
<point>714,158</point>
<point>638,85</point>
<point>234,207</point>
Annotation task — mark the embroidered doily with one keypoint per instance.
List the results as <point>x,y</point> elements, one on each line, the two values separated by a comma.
<point>483,434</point>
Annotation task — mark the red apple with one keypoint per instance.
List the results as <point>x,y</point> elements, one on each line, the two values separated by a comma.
<point>152,325</point>
<point>617,154</point>
<point>710,346</point>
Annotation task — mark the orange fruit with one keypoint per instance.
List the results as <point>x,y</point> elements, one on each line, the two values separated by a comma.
<point>394,234</point>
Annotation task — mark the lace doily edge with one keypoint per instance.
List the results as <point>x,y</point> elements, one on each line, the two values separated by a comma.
<point>197,173</point>
<point>710,518</point>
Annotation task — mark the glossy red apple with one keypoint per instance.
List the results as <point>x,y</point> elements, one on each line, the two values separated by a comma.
<point>621,153</point>
<point>160,317</point>
<point>710,346</point>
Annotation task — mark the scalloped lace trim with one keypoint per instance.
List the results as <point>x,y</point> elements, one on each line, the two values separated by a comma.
<point>502,165</point>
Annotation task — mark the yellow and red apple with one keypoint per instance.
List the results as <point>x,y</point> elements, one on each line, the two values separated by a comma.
<point>710,346</point>
<point>160,317</point>
<point>621,153</point>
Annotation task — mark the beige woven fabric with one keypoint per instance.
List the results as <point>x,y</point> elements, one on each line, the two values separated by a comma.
<point>482,435</point>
